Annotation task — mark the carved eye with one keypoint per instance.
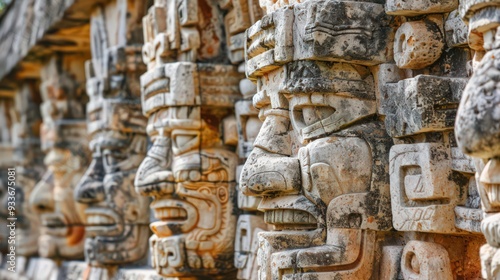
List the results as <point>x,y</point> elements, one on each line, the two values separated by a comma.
<point>401,46</point>
<point>252,128</point>
<point>222,194</point>
<point>113,160</point>
<point>185,140</point>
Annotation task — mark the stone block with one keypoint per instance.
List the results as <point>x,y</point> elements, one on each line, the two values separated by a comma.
<point>425,260</point>
<point>417,44</point>
<point>321,30</point>
<point>421,104</point>
<point>423,192</point>
<point>419,7</point>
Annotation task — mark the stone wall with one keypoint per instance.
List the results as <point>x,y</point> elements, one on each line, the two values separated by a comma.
<point>252,140</point>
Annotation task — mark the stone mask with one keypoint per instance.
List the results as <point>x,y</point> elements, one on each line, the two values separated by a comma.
<point>62,231</point>
<point>319,162</point>
<point>64,140</point>
<point>116,217</point>
<point>313,199</point>
<point>189,171</point>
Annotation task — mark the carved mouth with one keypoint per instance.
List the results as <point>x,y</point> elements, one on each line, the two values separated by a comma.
<point>101,221</point>
<point>337,30</point>
<point>290,218</point>
<point>164,211</point>
<point>292,212</point>
<point>170,214</point>
<point>493,191</point>
<point>54,224</point>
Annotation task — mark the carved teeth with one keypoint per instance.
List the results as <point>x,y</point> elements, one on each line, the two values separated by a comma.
<point>52,221</point>
<point>289,216</point>
<point>169,213</point>
<point>489,39</point>
<point>99,220</point>
<point>493,191</point>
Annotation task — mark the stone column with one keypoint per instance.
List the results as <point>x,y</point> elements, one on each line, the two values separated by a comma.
<point>250,221</point>
<point>64,140</point>
<point>188,95</point>
<point>433,194</point>
<point>117,217</point>
<point>477,129</point>
<point>7,161</point>
<point>28,164</point>
<point>239,16</point>
<point>320,161</point>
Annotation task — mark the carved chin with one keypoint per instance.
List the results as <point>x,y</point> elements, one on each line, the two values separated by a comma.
<point>490,226</point>
<point>128,247</point>
<point>172,257</point>
<point>493,191</point>
<point>27,243</point>
<point>70,246</point>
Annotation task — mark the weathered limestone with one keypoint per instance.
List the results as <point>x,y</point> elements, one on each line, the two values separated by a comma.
<point>7,153</point>
<point>433,197</point>
<point>476,125</point>
<point>188,95</point>
<point>116,216</point>
<point>317,99</point>
<point>417,44</point>
<point>251,221</point>
<point>35,29</point>
<point>190,169</point>
<point>320,100</point>
<point>419,7</point>
<point>63,138</point>
<point>182,31</point>
<point>335,158</point>
<point>28,165</point>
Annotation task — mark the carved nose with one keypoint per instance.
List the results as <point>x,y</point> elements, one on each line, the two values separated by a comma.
<point>41,199</point>
<point>154,176</point>
<point>90,188</point>
<point>270,174</point>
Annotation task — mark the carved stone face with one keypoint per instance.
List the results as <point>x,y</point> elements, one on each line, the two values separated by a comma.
<point>190,169</point>
<point>116,217</point>
<point>62,231</point>
<point>193,190</point>
<point>477,132</point>
<point>315,197</point>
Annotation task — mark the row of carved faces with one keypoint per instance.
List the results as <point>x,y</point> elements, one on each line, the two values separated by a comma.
<point>191,179</point>
<point>301,173</point>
